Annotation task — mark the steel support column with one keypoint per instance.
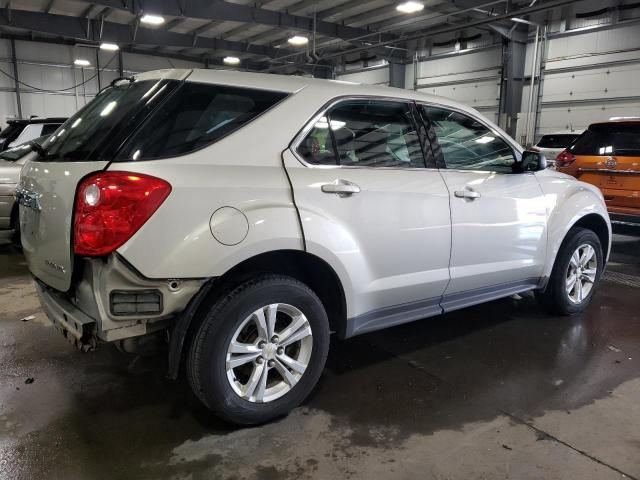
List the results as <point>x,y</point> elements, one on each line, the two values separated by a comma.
<point>397,75</point>
<point>15,76</point>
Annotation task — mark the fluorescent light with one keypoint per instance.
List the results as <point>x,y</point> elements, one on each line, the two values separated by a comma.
<point>410,7</point>
<point>152,19</point>
<point>231,60</point>
<point>81,62</point>
<point>108,108</point>
<point>298,40</point>
<point>112,47</point>
<point>485,139</point>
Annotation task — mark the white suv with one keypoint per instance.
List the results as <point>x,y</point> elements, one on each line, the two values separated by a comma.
<point>249,215</point>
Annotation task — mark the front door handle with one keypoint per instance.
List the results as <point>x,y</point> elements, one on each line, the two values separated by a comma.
<point>341,187</point>
<point>467,193</point>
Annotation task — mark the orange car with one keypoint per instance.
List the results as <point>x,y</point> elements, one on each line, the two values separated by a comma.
<point>607,155</point>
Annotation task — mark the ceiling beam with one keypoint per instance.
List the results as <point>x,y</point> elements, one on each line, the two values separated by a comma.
<point>121,34</point>
<point>234,12</point>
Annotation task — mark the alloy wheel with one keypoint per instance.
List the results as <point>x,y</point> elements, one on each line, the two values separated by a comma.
<point>581,273</point>
<point>269,352</point>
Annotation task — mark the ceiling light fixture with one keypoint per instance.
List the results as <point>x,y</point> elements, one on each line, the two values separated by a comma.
<point>112,47</point>
<point>298,40</point>
<point>410,7</point>
<point>81,62</point>
<point>152,19</point>
<point>231,60</point>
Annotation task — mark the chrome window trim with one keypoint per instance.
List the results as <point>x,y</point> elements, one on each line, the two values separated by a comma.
<point>609,171</point>
<point>300,136</point>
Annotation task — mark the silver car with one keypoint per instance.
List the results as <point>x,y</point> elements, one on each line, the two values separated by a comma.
<point>11,162</point>
<point>247,216</point>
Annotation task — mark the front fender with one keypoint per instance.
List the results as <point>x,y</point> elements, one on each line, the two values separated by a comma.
<point>568,201</point>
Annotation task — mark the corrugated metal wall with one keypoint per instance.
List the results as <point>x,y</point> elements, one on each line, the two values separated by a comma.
<point>588,77</point>
<point>472,78</point>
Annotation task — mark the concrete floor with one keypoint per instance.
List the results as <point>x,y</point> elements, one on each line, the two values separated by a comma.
<point>496,391</point>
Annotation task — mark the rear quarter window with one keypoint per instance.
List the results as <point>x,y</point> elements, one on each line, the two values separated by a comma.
<point>609,139</point>
<point>195,116</point>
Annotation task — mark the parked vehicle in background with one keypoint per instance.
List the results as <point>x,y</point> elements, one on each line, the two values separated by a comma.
<point>18,132</point>
<point>607,155</point>
<point>11,162</point>
<point>248,215</point>
<point>552,144</point>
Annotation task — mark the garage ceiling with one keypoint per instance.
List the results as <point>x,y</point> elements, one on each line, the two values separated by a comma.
<point>257,32</point>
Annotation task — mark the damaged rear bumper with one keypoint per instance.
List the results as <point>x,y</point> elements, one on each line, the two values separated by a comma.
<point>101,305</point>
<point>75,326</point>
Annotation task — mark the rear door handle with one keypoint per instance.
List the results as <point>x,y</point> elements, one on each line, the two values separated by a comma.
<point>341,187</point>
<point>470,194</point>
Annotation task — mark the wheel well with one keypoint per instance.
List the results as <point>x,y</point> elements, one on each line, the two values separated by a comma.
<point>303,266</point>
<point>597,225</point>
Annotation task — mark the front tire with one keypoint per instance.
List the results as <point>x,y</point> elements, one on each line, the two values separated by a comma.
<point>259,350</point>
<point>575,275</point>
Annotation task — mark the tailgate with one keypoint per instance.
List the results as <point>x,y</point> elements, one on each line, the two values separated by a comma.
<point>46,195</point>
<point>612,172</point>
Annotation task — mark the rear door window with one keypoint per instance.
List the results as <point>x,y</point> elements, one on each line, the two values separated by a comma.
<point>196,115</point>
<point>365,133</point>
<point>609,139</point>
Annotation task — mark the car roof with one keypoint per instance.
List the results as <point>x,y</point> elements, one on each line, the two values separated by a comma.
<point>563,132</point>
<point>618,121</point>
<point>25,121</point>
<point>292,84</point>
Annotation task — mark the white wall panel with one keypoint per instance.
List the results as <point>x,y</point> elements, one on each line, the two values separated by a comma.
<point>471,78</point>
<point>589,77</point>
<point>375,76</point>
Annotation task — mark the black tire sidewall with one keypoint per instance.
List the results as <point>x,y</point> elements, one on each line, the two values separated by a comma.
<point>577,237</point>
<point>218,329</point>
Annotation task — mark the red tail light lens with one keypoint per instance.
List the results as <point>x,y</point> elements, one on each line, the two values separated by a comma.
<point>111,207</point>
<point>565,158</point>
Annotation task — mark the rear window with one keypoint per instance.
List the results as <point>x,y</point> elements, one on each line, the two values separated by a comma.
<point>49,128</point>
<point>196,115</point>
<point>95,131</point>
<point>556,141</point>
<point>609,139</point>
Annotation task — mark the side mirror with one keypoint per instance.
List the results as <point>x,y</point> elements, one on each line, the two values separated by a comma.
<point>532,161</point>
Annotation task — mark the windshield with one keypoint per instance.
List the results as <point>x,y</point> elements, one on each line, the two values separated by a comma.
<point>557,141</point>
<point>104,123</point>
<point>16,153</point>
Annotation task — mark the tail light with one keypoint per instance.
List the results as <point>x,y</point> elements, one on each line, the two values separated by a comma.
<point>565,158</point>
<point>111,207</point>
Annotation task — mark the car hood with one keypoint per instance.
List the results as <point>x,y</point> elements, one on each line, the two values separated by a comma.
<point>9,171</point>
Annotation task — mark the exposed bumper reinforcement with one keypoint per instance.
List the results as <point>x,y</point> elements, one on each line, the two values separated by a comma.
<point>76,326</point>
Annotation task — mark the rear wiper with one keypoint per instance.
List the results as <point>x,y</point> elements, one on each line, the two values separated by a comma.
<point>36,147</point>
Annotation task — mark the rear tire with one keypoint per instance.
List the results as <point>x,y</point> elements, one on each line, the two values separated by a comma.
<point>580,257</point>
<point>240,373</point>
